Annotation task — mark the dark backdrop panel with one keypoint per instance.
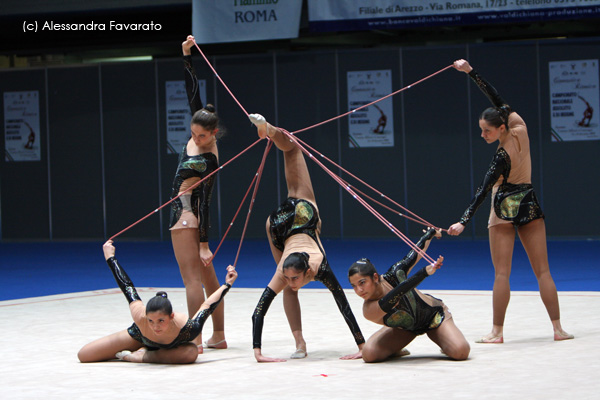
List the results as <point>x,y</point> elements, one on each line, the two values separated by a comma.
<point>130,148</point>
<point>571,188</point>
<point>380,167</point>
<point>306,96</point>
<point>75,153</point>
<point>252,81</point>
<point>25,211</point>
<point>516,82</point>
<point>436,118</point>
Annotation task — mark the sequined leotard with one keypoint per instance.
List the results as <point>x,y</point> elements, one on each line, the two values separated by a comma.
<point>194,205</point>
<point>406,307</point>
<point>187,333</point>
<point>508,173</point>
<point>292,217</point>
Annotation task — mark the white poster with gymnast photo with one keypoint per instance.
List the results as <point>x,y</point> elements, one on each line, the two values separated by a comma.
<point>574,100</point>
<point>178,114</point>
<point>372,126</point>
<point>22,126</point>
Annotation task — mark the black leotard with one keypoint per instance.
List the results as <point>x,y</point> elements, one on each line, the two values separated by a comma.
<point>405,307</point>
<point>198,166</point>
<point>187,333</point>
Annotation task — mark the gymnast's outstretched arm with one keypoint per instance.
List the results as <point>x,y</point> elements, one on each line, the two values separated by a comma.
<point>210,304</point>
<point>327,277</point>
<point>387,302</point>
<point>499,166</point>
<point>191,80</point>
<point>119,273</point>
<point>488,90</point>
<point>413,257</point>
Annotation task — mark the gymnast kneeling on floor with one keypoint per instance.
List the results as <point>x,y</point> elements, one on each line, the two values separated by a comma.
<point>393,300</point>
<point>158,335</point>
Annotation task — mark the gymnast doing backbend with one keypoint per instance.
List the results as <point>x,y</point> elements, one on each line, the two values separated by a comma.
<point>515,208</point>
<point>293,232</point>
<point>392,300</point>
<point>158,335</point>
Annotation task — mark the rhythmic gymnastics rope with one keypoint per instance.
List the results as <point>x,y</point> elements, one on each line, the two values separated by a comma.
<point>349,188</point>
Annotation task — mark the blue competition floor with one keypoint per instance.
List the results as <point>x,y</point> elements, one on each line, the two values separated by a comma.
<point>38,269</point>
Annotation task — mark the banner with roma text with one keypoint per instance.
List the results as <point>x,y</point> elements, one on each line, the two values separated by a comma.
<point>221,21</point>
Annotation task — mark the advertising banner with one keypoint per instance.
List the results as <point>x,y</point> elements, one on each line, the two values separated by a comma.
<point>178,114</point>
<point>335,15</point>
<point>372,126</point>
<point>219,21</point>
<point>22,126</point>
<point>574,100</point>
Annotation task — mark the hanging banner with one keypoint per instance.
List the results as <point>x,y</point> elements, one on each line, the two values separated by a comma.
<point>178,114</point>
<point>22,126</point>
<point>574,100</point>
<point>218,21</point>
<point>372,126</point>
<point>335,15</point>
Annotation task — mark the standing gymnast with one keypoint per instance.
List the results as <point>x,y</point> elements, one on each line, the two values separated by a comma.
<point>393,300</point>
<point>158,335</point>
<point>514,208</point>
<point>189,222</point>
<point>293,232</point>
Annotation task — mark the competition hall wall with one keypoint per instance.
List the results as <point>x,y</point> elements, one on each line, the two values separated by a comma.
<point>104,161</point>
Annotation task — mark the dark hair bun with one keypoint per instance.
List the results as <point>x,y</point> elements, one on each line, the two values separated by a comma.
<point>162,294</point>
<point>210,108</point>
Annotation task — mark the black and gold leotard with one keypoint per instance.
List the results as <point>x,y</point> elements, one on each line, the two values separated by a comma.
<point>406,308</point>
<point>293,216</point>
<point>514,202</point>
<point>187,333</point>
<point>198,166</point>
<point>194,167</point>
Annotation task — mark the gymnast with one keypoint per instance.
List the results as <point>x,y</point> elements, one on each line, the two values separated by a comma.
<point>158,335</point>
<point>293,232</point>
<point>406,313</point>
<point>515,208</point>
<point>189,223</point>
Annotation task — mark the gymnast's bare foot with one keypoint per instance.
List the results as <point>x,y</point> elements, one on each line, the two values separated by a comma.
<point>136,356</point>
<point>491,338</point>
<point>403,353</point>
<point>562,335</point>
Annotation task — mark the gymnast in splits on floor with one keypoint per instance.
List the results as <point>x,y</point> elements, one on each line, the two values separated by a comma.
<point>293,232</point>
<point>393,300</point>
<point>158,335</point>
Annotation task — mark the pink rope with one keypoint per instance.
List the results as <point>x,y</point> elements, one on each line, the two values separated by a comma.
<point>414,217</point>
<point>234,218</point>
<point>184,192</point>
<point>373,102</point>
<point>220,80</point>
<point>260,171</point>
<point>341,182</point>
<point>256,179</point>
